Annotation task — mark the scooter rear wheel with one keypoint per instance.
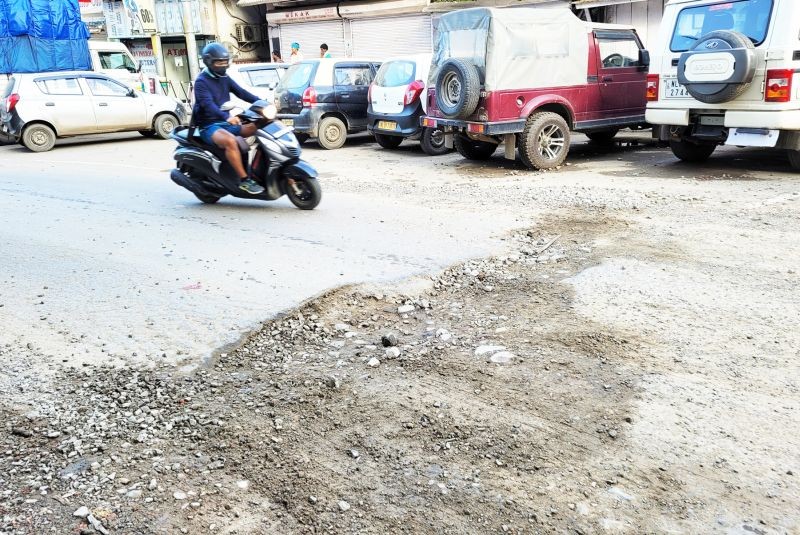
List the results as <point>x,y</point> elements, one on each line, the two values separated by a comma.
<point>304,194</point>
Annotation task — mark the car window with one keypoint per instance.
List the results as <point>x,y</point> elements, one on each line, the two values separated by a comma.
<point>750,17</point>
<point>263,77</point>
<point>396,73</point>
<point>297,76</point>
<point>100,87</point>
<point>59,86</point>
<point>116,60</point>
<point>353,76</point>
<point>618,52</point>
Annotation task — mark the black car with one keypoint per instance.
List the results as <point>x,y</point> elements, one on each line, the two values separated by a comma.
<point>326,98</point>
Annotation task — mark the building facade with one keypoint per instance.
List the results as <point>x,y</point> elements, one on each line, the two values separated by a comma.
<point>644,15</point>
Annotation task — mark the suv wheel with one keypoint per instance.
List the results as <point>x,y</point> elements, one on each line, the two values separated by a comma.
<point>474,150</point>
<point>692,152</point>
<point>164,125</point>
<point>388,142</point>
<point>332,133</point>
<point>433,142</point>
<point>794,159</point>
<point>544,143</point>
<point>458,89</point>
<point>723,42</point>
<point>38,138</point>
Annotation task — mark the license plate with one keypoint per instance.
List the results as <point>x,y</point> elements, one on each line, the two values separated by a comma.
<point>672,89</point>
<point>387,125</point>
<point>288,122</point>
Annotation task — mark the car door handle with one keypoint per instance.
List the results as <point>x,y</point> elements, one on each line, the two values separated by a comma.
<point>103,104</point>
<point>608,78</point>
<point>49,103</point>
<point>345,95</point>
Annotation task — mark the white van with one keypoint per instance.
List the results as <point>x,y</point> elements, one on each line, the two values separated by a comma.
<point>115,60</point>
<point>727,72</point>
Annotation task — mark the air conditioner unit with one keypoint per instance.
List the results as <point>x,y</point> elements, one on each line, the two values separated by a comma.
<point>248,33</point>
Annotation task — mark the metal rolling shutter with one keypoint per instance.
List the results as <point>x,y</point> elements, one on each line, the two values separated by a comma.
<point>312,34</point>
<point>394,36</point>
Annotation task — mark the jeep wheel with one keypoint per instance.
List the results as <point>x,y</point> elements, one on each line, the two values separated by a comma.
<point>794,159</point>
<point>458,88</point>
<point>433,142</point>
<point>332,133</point>
<point>724,43</point>
<point>38,138</point>
<point>544,143</point>
<point>602,136</point>
<point>692,152</point>
<point>388,142</point>
<point>472,149</point>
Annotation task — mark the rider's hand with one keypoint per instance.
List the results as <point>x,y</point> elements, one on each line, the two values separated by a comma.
<point>234,121</point>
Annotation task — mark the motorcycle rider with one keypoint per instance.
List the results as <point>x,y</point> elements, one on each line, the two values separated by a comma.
<point>211,90</point>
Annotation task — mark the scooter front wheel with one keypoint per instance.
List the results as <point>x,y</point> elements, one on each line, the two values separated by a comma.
<point>207,199</point>
<point>304,193</point>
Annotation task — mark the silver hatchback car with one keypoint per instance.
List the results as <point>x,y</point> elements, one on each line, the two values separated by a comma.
<point>38,108</point>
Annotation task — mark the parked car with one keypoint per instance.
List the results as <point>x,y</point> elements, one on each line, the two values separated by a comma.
<point>528,76</point>
<point>727,73</point>
<point>397,101</point>
<point>261,79</point>
<point>38,108</point>
<point>326,98</point>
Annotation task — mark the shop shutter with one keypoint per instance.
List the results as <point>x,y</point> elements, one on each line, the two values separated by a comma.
<point>393,36</point>
<point>312,34</point>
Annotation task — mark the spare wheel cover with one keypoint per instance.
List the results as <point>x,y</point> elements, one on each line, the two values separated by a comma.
<point>718,68</point>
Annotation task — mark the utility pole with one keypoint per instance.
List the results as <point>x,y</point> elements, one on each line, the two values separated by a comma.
<point>191,43</point>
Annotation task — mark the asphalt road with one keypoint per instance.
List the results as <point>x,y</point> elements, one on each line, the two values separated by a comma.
<point>105,258</point>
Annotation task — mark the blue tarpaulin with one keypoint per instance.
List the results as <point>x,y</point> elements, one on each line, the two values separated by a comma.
<point>42,36</point>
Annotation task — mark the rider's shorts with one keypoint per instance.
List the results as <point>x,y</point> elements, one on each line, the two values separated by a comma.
<point>208,131</point>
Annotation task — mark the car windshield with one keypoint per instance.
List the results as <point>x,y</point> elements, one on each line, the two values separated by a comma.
<point>750,17</point>
<point>297,76</point>
<point>116,60</point>
<point>396,73</point>
<point>263,77</point>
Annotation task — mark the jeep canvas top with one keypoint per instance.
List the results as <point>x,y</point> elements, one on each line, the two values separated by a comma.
<point>528,76</point>
<point>726,72</point>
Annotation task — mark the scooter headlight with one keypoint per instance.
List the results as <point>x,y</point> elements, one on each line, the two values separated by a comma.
<point>269,112</point>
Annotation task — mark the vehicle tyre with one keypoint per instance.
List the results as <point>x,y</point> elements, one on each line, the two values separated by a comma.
<point>472,149</point>
<point>388,142</point>
<point>207,199</point>
<point>304,194</point>
<point>717,92</point>
<point>458,88</point>
<point>692,152</point>
<point>332,133</point>
<point>545,142</point>
<point>38,138</point>
<point>794,159</point>
<point>301,138</point>
<point>164,125</point>
<point>148,133</point>
<point>602,136</point>
<point>433,142</point>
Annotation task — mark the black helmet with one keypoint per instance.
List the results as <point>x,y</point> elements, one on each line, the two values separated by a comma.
<point>215,52</point>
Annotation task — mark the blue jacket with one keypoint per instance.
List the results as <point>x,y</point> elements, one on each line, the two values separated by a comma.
<point>211,92</point>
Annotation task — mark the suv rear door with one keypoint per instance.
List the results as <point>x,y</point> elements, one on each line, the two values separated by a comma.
<point>59,99</point>
<point>114,108</point>
<point>351,85</point>
<point>622,77</point>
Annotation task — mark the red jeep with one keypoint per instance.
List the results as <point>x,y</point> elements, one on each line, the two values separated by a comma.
<point>526,77</point>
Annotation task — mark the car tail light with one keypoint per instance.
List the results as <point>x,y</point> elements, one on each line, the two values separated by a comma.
<point>779,85</point>
<point>310,98</point>
<point>11,101</point>
<point>413,91</point>
<point>652,87</point>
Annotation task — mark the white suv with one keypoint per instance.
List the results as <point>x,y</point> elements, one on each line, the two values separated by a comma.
<point>727,72</point>
<point>38,108</point>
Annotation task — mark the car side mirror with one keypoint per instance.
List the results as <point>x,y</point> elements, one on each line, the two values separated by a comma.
<point>131,93</point>
<point>644,58</point>
<point>272,85</point>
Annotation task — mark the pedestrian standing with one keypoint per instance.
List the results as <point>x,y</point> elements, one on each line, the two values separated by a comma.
<point>323,51</point>
<point>296,54</point>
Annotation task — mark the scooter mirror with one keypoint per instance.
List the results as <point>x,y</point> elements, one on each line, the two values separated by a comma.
<point>270,112</point>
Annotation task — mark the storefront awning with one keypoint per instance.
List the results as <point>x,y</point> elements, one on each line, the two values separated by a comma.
<point>585,4</point>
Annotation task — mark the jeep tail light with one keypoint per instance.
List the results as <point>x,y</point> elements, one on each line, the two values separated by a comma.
<point>779,85</point>
<point>309,97</point>
<point>652,87</point>
<point>413,92</point>
<point>11,101</point>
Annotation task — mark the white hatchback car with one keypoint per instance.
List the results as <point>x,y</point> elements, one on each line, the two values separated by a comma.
<point>38,108</point>
<point>261,79</point>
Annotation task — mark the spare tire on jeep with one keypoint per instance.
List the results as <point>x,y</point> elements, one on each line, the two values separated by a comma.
<point>458,88</point>
<point>719,67</point>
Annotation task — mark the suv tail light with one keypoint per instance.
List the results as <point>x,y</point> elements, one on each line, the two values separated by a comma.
<point>652,87</point>
<point>11,101</point>
<point>413,92</point>
<point>779,85</point>
<point>309,97</point>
